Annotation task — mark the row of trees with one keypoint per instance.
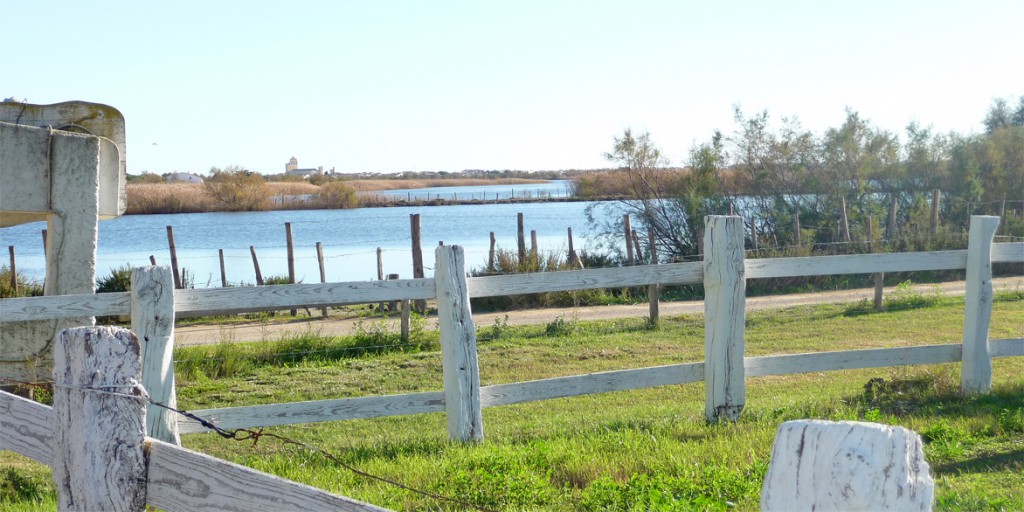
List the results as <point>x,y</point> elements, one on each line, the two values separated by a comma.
<point>851,175</point>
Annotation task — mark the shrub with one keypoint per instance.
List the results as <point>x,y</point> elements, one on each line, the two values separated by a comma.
<point>336,195</point>
<point>26,288</point>
<point>237,189</point>
<point>119,280</point>
<point>508,262</point>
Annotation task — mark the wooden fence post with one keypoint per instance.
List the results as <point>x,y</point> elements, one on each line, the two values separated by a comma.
<point>380,274</point>
<point>223,274</point>
<point>14,271</point>
<point>976,366</point>
<point>724,315</point>
<point>520,236</point>
<point>935,211</point>
<point>628,228</point>
<point>890,227</point>
<point>99,462</point>
<point>256,266</point>
<point>153,322</point>
<point>291,256</point>
<point>845,228</point>
<point>417,257</point>
<point>323,271</point>
<point>490,254</point>
<point>174,257</point>
<point>458,346</point>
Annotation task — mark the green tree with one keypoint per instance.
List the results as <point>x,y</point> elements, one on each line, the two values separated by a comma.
<point>237,189</point>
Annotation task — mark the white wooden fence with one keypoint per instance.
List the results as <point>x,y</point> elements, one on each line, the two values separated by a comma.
<point>723,272</point>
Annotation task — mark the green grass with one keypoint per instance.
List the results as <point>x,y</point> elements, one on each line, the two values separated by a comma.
<point>633,450</point>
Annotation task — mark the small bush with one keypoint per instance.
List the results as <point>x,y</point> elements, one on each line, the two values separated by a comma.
<point>336,195</point>
<point>119,280</point>
<point>26,288</point>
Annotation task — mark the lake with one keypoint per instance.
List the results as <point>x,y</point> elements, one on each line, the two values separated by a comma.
<point>350,239</point>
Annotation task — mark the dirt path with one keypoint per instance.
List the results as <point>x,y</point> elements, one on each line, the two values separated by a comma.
<point>281,326</point>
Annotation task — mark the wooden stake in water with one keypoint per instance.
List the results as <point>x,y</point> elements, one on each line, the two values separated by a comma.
<point>223,274</point>
<point>490,254</point>
<point>533,246</point>
<point>291,256</point>
<point>521,237</point>
<point>14,271</point>
<point>256,266</point>
<point>417,258</point>
<point>323,273</point>
<point>174,257</point>
<point>629,238</point>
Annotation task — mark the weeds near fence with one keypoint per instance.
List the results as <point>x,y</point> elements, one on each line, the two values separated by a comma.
<point>26,287</point>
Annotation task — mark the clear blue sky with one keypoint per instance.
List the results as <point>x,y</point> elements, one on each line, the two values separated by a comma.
<point>415,86</point>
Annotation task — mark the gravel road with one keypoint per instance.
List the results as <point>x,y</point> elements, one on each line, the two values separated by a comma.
<point>282,325</point>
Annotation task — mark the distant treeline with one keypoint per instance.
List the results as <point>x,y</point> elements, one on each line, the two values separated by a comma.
<point>853,183</point>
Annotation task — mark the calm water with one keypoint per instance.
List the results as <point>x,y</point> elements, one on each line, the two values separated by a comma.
<point>350,239</point>
<point>554,188</point>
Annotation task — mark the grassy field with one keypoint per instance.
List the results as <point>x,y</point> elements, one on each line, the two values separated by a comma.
<point>634,450</point>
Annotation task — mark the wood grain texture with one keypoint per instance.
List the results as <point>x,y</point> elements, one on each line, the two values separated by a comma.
<point>617,277</point>
<point>285,296</point>
<point>602,382</point>
<point>848,465</point>
<point>26,428</point>
<point>724,318</point>
<point>850,359</point>
<point>976,369</point>
<point>153,322</point>
<point>460,368</point>
<point>269,415</point>
<point>855,264</point>
<point>99,461</point>
<point>184,480</point>
<point>65,306</point>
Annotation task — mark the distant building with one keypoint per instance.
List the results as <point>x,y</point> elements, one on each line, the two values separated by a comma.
<point>182,177</point>
<point>292,169</point>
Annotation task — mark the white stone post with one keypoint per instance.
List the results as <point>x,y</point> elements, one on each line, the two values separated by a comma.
<point>99,461</point>
<point>458,346</point>
<point>724,315</point>
<point>976,366</point>
<point>824,465</point>
<point>153,323</point>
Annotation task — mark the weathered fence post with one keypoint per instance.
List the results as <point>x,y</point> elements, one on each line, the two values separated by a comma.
<point>628,229</point>
<point>291,256</point>
<point>99,461</point>
<point>520,236</point>
<point>223,274</point>
<point>14,271</point>
<point>153,323</point>
<point>824,465</point>
<point>724,315</point>
<point>420,306</point>
<point>458,346</point>
<point>976,366</point>
<point>936,194</point>
<point>174,257</point>
<point>490,254</point>
<point>323,271</point>
<point>256,266</point>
